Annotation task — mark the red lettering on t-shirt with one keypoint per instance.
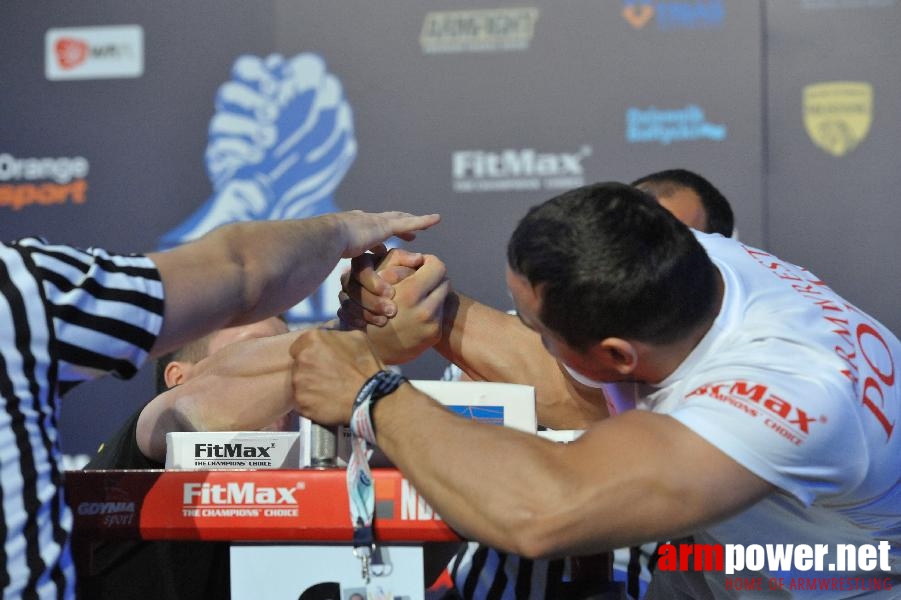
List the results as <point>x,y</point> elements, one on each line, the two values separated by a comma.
<point>882,366</point>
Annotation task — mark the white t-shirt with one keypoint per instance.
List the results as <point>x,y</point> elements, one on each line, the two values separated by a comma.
<point>804,390</point>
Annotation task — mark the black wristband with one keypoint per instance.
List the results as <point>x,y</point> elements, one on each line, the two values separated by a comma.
<point>376,387</point>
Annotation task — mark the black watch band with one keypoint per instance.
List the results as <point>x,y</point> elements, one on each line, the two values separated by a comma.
<point>376,387</point>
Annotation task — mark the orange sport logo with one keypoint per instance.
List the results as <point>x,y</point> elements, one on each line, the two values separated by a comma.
<point>42,181</point>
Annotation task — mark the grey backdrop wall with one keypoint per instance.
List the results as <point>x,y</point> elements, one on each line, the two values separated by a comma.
<point>476,110</point>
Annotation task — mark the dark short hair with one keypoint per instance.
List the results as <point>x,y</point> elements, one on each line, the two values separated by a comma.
<point>191,352</point>
<point>613,263</point>
<point>717,209</point>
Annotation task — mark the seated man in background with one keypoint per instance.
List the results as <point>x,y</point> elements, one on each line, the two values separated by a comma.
<point>179,569</point>
<point>691,198</point>
<point>235,379</point>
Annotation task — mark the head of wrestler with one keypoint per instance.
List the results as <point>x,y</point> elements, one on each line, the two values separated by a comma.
<point>691,198</point>
<point>616,286</point>
<point>178,367</point>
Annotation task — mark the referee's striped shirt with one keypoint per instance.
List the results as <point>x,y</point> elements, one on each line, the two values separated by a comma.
<point>480,572</point>
<point>66,316</point>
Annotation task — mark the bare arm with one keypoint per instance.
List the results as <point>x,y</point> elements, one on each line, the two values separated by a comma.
<point>488,344</point>
<point>630,479</point>
<point>245,386</point>
<point>243,272</point>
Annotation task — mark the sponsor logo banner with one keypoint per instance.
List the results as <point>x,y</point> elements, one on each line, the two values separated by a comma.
<point>489,30</point>
<point>517,170</point>
<point>284,504</point>
<point>239,499</point>
<point>103,52</point>
<point>837,114</point>
<point>42,181</point>
<point>671,15</point>
<point>651,124</point>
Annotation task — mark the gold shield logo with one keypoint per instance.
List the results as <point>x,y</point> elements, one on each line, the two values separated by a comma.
<point>837,114</point>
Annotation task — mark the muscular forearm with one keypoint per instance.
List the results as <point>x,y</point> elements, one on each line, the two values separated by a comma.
<point>243,272</point>
<point>472,480</point>
<point>243,387</point>
<point>615,486</point>
<point>490,345</point>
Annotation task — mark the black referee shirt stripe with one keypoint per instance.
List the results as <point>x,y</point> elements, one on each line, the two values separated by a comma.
<point>496,591</point>
<point>633,571</point>
<point>476,564</point>
<point>88,358</point>
<point>79,261</point>
<point>126,332</point>
<point>57,575</point>
<point>131,270</point>
<point>43,288</point>
<point>457,561</point>
<point>140,300</point>
<point>84,260</point>
<point>49,401</point>
<point>554,587</point>
<point>524,579</point>
<point>23,444</point>
<point>5,386</point>
<point>65,386</point>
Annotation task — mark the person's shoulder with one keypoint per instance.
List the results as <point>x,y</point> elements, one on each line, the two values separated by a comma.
<point>121,450</point>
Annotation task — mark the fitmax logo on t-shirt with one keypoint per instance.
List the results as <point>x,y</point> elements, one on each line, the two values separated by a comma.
<point>780,415</point>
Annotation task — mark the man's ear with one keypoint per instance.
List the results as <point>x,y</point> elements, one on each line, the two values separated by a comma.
<point>176,373</point>
<point>617,354</point>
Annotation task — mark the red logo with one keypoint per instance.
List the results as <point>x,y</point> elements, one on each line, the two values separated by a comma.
<point>71,52</point>
<point>783,416</point>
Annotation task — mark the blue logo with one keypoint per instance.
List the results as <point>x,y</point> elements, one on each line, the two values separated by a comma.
<point>667,126</point>
<point>673,14</point>
<point>279,144</point>
<point>493,415</point>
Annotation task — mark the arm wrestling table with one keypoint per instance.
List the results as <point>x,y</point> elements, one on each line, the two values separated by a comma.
<point>300,506</point>
<point>265,515</point>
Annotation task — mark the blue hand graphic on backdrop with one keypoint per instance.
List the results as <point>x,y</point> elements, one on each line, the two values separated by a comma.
<point>280,142</point>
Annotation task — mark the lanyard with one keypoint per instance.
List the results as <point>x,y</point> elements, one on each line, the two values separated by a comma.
<point>360,490</point>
